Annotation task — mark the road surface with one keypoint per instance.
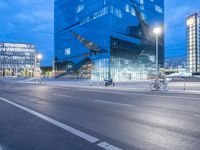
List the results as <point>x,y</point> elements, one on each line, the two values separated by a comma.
<point>44,117</point>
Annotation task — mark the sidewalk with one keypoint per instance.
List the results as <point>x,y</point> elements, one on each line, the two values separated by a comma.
<point>174,87</point>
<point>137,85</point>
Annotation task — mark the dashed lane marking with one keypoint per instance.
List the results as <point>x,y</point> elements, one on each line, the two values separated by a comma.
<point>113,103</point>
<point>107,146</point>
<point>149,95</point>
<point>113,92</point>
<point>196,115</point>
<point>56,94</point>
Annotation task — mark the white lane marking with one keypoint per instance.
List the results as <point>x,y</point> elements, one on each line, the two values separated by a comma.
<point>114,103</point>
<point>62,95</point>
<point>178,97</point>
<point>103,144</point>
<point>126,93</point>
<point>58,87</point>
<point>1,148</point>
<point>107,146</point>
<point>103,91</point>
<point>76,132</point>
<point>111,147</point>
<point>196,115</point>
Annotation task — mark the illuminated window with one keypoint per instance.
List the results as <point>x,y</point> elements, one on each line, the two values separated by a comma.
<point>127,8</point>
<point>67,51</point>
<point>118,12</point>
<point>158,9</point>
<point>191,21</point>
<point>133,11</point>
<point>80,8</point>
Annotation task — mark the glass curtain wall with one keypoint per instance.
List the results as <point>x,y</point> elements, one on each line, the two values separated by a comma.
<point>15,58</point>
<point>107,39</point>
<point>193,43</point>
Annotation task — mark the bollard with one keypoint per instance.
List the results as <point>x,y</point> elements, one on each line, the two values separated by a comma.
<point>184,84</point>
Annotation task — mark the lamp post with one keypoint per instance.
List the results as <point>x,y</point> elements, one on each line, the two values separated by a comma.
<point>157,31</point>
<point>1,72</point>
<point>39,58</point>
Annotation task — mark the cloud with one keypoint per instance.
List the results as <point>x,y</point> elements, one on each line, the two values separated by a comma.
<point>29,21</point>
<point>32,21</point>
<point>175,18</point>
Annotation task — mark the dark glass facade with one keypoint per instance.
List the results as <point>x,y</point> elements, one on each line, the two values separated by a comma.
<point>99,39</point>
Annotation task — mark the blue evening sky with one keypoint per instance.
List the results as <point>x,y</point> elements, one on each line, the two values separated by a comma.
<point>31,21</point>
<point>176,12</point>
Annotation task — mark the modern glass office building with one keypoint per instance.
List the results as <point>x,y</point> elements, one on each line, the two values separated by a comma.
<point>193,43</point>
<point>99,39</point>
<point>16,58</point>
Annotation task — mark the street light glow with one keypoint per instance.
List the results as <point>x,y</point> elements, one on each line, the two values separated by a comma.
<point>39,56</point>
<point>157,30</point>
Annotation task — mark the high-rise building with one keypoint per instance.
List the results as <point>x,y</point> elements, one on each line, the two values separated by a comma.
<point>99,39</point>
<point>16,58</point>
<point>193,43</point>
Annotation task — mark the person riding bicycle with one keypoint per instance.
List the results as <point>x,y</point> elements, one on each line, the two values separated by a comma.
<point>158,84</point>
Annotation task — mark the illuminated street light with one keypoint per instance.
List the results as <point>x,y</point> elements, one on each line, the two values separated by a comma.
<point>39,57</point>
<point>157,31</point>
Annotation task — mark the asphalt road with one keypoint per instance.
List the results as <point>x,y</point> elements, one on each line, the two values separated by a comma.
<point>42,117</point>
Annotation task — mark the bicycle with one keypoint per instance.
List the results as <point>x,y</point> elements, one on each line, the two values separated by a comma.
<point>159,84</point>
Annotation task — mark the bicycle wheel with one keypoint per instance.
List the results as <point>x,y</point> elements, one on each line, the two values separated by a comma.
<point>153,86</point>
<point>165,86</point>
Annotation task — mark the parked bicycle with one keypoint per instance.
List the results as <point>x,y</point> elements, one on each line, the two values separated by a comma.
<point>159,84</point>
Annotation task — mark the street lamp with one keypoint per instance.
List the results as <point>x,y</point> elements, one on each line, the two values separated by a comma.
<point>157,31</point>
<point>39,57</point>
